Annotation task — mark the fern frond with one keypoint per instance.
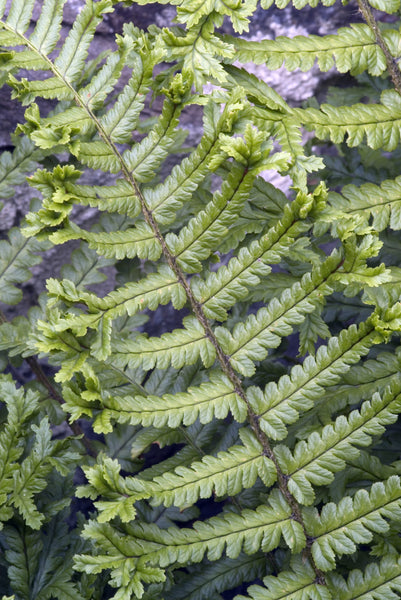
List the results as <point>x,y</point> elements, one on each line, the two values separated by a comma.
<point>379,123</point>
<point>250,341</point>
<point>19,17</point>
<point>314,461</point>
<point>118,198</point>
<point>179,348</point>
<point>373,205</point>
<point>359,383</point>
<point>46,33</point>
<point>15,165</point>
<point>136,241</point>
<point>155,289</point>
<point>167,197</point>
<point>281,402</point>
<point>202,235</point>
<point>297,583</point>
<point>42,560</point>
<point>225,474</point>
<point>220,290</point>
<point>144,158</point>
<point>198,50</point>
<point>210,579</point>
<point>135,545</point>
<point>119,122</point>
<point>351,49</point>
<point>339,528</point>
<point>71,59</point>
<point>17,256</point>
<point>21,481</point>
<point>389,7</point>
<point>212,399</point>
<point>382,580</point>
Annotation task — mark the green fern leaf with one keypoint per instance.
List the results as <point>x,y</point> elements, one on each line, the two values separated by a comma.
<point>299,582</point>
<point>227,473</point>
<point>339,528</point>
<point>249,530</point>
<point>220,290</point>
<point>96,155</point>
<point>381,580</point>
<point>13,167</point>
<point>166,198</point>
<point>16,253</point>
<point>198,50</point>
<point>380,123</point>
<point>213,399</point>
<point>46,33</point>
<point>199,238</point>
<point>118,198</point>
<point>375,206</point>
<point>119,122</point>
<point>71,59</point>
<point>388,6</point>
<point>135,241</point>
<point>158,288</point>
<point>145,157</point>
<point>352,49</point>
<point>250,340</point>
<point>280,403</point>
<point>19,17</point>
<point>179,348</point>
<point>315,460</point>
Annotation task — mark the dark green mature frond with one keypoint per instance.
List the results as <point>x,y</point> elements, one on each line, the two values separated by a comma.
<point>23,477</point>
<point>15,165</point>
<point>15,254</point>
<point>41,561</point>
<point>209,579</point>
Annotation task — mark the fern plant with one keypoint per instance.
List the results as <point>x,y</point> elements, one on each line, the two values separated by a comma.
<point>252,446</point>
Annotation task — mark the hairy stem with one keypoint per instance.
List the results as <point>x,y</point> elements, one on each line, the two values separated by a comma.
<point>392,65</point>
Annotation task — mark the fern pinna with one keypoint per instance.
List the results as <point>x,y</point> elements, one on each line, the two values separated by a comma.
<point>273,403</point>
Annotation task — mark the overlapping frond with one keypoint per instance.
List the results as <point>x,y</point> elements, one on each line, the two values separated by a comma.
<point>338,529</point>
<point>137,545</point>
<point>212,399</point>
<point>250,341</point>
<point>315,460</point>
<point>17,256</point>
<point>280,403</point>
<point>299,582</point>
